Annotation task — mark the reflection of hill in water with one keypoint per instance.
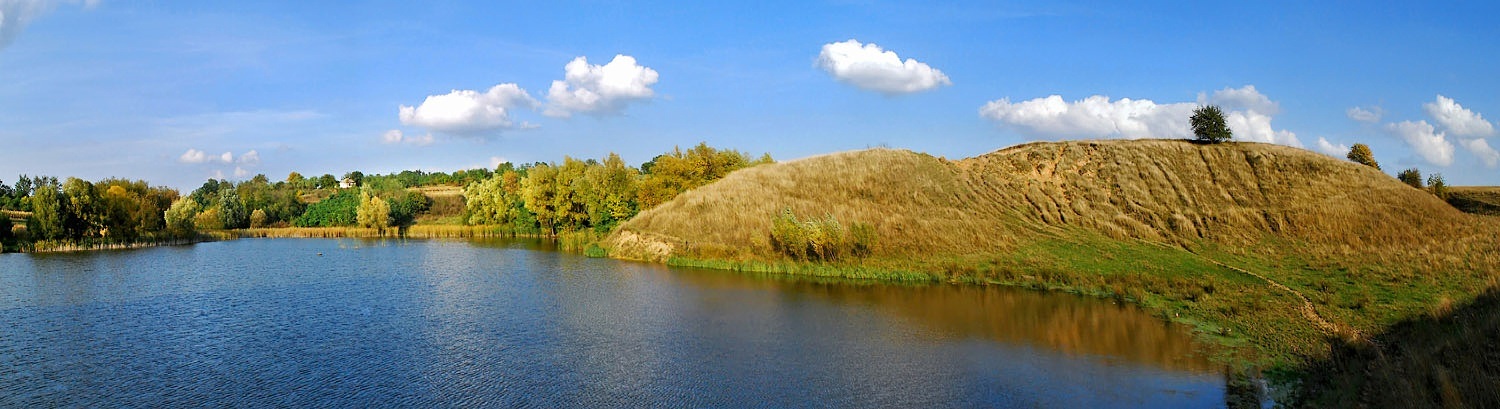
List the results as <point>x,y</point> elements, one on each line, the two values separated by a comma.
<point>1070,324</point>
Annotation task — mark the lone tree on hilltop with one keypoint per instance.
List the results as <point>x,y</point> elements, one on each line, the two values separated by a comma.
<point>1360,153</point>
<point>1411,177</point>
<point>1437,187</point>
<point>1209,126</point>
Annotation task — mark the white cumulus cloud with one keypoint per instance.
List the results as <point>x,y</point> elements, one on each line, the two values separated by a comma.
<point>1368,116</point>
<point>250,158</point>
<point>599,89</point>
<point>1482,149</point>
<point>468,111</point>
<point>870,67</point>
<point>1458,120</point>
<point>1245,98</point>
<point>1248,114</point>
<point>1330,149</point>
<point>1094,117</point>
<point>193,156</point>
<point>1425,141</point>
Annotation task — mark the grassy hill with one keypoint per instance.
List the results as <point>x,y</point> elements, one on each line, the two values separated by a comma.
<point>1275,251</point>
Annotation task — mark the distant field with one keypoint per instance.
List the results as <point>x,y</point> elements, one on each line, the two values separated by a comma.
<point>438,191</point>
<point>18,217</point>
<point>1476,199</point>
<point>447,205</point>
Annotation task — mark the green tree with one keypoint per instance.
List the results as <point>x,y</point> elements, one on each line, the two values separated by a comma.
<point>612,193</point>
<point>258,219</point>
<point>327,181</point>
<point>337,210</point>
<point>5,228</point>
<point>1411,177</point>
<point>119,206</point>
<point>1209,125</point>
<point>571,193</point>
<point>405,206</point>
<point>357,176</point>
<point>373,212</point>
<point>209,219</point>
<point>1360,153</point>
<point>296,180</point>
<point>539,191</point>
<point>207,194</point>
<point>83,217</point>
<point>231,210</point>
<point>48,212</point>
<point>675,172</point>
<point>180,218</point>
<point>1437,187</point>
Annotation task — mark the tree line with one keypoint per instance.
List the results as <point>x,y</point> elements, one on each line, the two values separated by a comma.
<point>592,195</point>
<point>534,199</point>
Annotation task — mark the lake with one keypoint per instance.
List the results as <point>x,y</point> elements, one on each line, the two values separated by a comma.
<point>512,323</point>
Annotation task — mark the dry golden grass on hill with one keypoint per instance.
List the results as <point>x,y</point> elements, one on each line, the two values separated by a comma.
<point>1271,245</point>
<point>1159,190</point>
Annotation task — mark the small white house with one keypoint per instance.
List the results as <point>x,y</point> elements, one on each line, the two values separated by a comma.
<point>346,183</point>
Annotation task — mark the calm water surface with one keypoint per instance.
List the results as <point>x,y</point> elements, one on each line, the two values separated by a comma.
<point>270,322</point>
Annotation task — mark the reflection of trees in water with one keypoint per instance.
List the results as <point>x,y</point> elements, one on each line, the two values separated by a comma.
<point>1070,324</point>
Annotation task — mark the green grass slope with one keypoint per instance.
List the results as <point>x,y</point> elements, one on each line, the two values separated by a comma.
<point>1275,249</point>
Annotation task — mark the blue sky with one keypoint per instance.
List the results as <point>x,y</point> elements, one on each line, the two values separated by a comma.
<point>161,90</point>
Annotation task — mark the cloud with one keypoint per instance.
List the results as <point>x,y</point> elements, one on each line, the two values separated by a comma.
<point>870,67</point>
<point>1249,115</point>
<point>395,136</point>
<point>193,156</point>
<point>1096,117</point>
<point>468,111</point>
<point>1425,140</point>
<point>1245,98</point>
<point>1368,116</point>
<point>1328,148</point>
<point>1458,120</point>
<point>240,172</point>
<point>495,161</point>
<point>599,89</point>
<point>392,136</point>
<point>15,15</point>
<point>1482,149</point>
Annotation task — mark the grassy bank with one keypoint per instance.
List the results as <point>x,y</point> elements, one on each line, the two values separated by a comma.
<point>63,246</point>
